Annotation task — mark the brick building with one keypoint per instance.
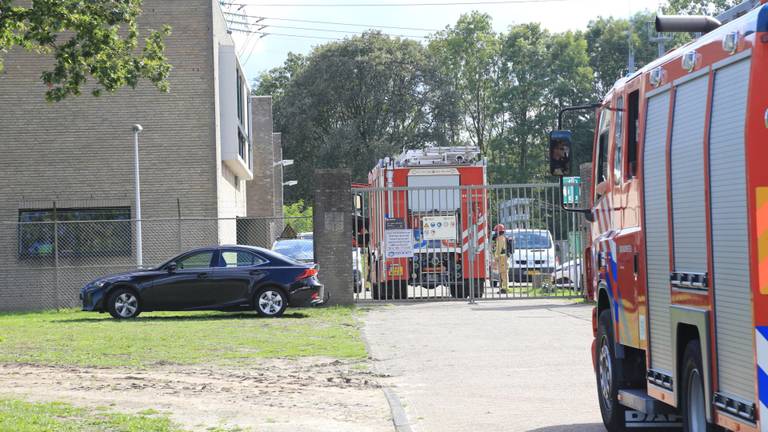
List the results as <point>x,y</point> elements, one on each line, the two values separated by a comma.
<point>72,161</point>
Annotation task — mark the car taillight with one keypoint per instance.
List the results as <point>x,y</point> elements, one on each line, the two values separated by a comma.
<point>306,274</point>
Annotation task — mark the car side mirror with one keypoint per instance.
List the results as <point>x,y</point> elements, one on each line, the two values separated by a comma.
<point>171,267</point>
<point>560,143</point>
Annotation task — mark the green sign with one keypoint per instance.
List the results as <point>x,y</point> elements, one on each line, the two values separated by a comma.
<point>571,190</point>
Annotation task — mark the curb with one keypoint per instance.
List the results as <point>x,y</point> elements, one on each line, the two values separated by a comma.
<point>399,417</point>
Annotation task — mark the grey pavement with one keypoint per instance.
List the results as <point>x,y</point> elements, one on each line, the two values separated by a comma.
<point>513,365</point>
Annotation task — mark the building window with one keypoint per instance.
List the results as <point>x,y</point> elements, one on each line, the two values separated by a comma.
<point>239,97</point>
<point>242,148</point>
<point>81,232</point>
<point>237,183</point>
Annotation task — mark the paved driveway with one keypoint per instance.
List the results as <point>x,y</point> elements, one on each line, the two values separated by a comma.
<point>517,365</point>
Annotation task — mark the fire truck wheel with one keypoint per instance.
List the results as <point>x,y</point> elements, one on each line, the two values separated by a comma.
<point>693,402</point>
<point>460,289</point>
<point>479,288</point>
<point>377,291</point>
<point>607,376</point>
<point>390,291</point>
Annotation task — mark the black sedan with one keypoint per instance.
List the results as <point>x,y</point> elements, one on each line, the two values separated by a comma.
<point>227,278</point>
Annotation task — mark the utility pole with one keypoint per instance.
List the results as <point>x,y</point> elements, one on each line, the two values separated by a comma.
<point>136,131</point>
<point>660,40</point>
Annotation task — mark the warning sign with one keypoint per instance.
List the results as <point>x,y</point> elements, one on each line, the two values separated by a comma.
<point>398,243</point>
<point>439,227</point>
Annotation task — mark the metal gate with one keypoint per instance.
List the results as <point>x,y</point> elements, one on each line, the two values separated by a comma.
<point>444,243</point>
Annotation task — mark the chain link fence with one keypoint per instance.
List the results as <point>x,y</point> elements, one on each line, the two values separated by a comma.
<point>44,264</point>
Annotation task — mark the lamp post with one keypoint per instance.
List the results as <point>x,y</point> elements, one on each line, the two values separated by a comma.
<point>136,131</point>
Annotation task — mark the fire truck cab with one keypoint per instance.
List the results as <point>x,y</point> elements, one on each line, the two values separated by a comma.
<point>436,196</point>
<point>678,258</point>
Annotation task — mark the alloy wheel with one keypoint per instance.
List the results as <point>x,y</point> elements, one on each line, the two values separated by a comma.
<point>126,305</point>
<point>270,302</point>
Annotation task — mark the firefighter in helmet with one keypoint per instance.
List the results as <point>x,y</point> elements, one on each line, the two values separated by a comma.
<point>500,255</point>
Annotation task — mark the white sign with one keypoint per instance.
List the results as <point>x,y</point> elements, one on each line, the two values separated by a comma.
<point>399,243</point>
<point>433,172</point>
<point>439,227</point>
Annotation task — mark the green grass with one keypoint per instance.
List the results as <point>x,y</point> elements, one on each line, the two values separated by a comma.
<point>91,339</point>
<point>21,416</point>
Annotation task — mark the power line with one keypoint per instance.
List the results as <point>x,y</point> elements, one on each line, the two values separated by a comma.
<point>457,3</point>
<point>282,34</point>
<point>321,30</point>
<point>335,23</point>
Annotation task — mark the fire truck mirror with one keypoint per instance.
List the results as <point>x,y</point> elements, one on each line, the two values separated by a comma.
<point>560,153</point>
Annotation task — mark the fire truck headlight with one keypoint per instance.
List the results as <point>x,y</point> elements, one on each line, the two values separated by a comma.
<point>731,42</point>
<point>656,76</point>
<point>689,60</point>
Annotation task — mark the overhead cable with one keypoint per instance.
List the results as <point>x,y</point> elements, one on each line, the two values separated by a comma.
<point>322,30</point>
<point>456,3</point>
<point>334,23</point>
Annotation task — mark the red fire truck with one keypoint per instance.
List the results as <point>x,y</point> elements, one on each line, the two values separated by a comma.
<point>427,222</point>
<point>679,226</point>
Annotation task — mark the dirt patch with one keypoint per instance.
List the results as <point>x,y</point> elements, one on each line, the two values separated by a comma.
<point>275,395</point>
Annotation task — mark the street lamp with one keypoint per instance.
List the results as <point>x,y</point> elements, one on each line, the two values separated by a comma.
<point>284,163</point>
<point>136,131</point>
<point>290,183</point>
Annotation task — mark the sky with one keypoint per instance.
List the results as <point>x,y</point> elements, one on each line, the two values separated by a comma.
<point>261,54</point>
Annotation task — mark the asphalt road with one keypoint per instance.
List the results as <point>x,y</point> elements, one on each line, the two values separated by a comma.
<point>513,365</point>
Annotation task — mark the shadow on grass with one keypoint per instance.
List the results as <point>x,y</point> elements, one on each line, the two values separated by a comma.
<point>160,318</point>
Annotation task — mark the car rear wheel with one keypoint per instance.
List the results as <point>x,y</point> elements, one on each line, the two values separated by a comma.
<point>124,304</point>
<point>270,302</point>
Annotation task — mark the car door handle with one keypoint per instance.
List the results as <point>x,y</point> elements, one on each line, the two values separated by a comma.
<point>202,275</point>
<point>255,272</point>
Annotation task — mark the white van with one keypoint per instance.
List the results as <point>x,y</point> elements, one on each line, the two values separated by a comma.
<point>532,253</point>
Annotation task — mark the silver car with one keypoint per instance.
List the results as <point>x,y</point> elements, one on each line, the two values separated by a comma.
<point>568,274</point>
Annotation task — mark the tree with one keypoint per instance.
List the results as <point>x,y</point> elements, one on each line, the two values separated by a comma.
<point>275,82</point>
<point>525,79</point>
<point>700,7</point>
<point>542,73</point>
<point>349,104</point>
<point>299,216</point>
<point>570,85</point>
<point>467,56</point>
<point>85,39</point>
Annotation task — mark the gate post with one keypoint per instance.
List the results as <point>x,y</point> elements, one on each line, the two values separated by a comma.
<point>332,224</point>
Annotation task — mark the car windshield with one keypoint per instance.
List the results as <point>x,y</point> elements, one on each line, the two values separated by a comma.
<point>301,250</point>
<point>531,240</point>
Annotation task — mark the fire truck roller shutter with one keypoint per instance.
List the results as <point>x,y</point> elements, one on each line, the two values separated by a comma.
<point>688,207</point>
<point>733,308</point>
<point>657,249</point>
<point>445,196</point>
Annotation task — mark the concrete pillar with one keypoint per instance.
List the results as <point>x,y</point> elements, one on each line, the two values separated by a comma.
<point>333,232</point>
<point>278,177</point>
<point>260,192</point>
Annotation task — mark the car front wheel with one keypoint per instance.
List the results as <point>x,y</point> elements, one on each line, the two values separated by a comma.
<point>270,302</point>
<point>124,304</point>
